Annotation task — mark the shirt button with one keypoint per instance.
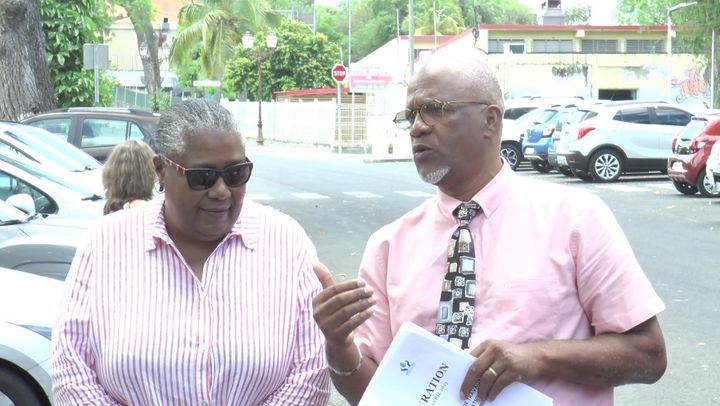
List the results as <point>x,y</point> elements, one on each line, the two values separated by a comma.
<point>204,403</point>
<point>203,347</point>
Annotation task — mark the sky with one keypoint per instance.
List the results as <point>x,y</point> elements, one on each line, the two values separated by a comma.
<point>601,12</point>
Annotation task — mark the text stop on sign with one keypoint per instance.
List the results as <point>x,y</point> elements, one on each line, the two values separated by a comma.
<point>338,73</point>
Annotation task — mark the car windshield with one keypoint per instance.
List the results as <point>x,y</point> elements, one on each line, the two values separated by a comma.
<point>41,172</point>
<point>52,148</point>
<point>529,117</point>
<point>546,116</point>
<point>693,129</point>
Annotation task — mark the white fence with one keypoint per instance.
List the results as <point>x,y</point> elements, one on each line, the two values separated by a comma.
<point>363,127</point>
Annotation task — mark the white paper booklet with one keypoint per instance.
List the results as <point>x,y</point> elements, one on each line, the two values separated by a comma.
<point>421,369</point>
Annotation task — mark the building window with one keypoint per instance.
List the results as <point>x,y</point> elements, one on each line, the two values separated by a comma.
<point>645,46</point>
<point>599,46</point>
<point>499,46</point>
<point>552,46</point>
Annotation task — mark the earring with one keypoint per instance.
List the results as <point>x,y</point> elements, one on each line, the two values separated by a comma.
<point>160,187</point>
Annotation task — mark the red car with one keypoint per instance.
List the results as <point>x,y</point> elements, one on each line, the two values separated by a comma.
<point>690,150</point>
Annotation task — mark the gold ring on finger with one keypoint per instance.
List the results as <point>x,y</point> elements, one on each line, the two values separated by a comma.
<point>492,371</point>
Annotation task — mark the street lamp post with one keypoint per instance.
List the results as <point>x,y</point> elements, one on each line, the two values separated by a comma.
<point>271,42</point>
<point>669,42</point>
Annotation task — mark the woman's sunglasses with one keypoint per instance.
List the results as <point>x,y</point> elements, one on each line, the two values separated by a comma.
<point>234,175</point>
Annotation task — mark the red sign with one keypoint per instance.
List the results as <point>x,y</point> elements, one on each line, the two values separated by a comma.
<point>338,72</point>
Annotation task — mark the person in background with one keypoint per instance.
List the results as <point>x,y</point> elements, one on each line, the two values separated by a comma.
<point>198,297</point>
<point>128,176</point>
<point>535,280</point>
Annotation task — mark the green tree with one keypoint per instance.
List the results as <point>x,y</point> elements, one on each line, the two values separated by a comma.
<point>302,60</point>
<point>217,26</point>
<point>67,26</point>
<point>579,14</point>
<point>497,12</point>
<point>438,17</point>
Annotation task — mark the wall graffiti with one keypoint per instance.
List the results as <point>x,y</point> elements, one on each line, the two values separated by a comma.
<point>694,85</point>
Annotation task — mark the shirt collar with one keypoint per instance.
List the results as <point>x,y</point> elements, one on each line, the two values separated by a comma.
<point>489,197</point>
<point>246,228</point>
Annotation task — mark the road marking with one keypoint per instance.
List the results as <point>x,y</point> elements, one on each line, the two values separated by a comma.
<point>259,197</point>
<point>310,196</point>
<point>413,193</point>
<point>667,186</point>
<point>623,188</point>
<point>363,195</point>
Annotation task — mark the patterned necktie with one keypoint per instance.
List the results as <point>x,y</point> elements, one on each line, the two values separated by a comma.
<point>457,299</point>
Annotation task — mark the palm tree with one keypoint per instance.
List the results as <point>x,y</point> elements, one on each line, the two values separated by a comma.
<point>213,29</point>
<point>435,17</point>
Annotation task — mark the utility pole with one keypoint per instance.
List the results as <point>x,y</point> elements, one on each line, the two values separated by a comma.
<point>411,37</point>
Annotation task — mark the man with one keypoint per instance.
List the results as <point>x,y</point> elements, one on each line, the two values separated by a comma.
<point>558,300</point>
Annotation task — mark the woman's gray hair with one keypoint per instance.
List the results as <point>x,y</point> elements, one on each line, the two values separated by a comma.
<point>190,118</point>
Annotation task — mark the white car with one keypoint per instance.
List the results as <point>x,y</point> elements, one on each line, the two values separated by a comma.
<point>51,152</point>
<point>621,137</point>
<point>51,193</point>
<point>712,165</point>
<point>513,134</point>
<point>28,304</point>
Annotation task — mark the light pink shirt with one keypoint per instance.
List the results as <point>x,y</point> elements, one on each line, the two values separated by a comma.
<point>551,263</point>
<point>138,328</point>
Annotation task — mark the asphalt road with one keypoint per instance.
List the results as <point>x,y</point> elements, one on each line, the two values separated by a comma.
<point>341,200</point>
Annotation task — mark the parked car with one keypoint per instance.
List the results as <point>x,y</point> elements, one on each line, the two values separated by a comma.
<point>712,171</point>
<point>96,130</point>
<point>564,126</point>
<point>53,154</point>
<point>690,151</point>
<point>624,137</point>
<point>48,256</point>
<point>513,135</point>
<point>15,223</point>
<point>539,135</point>
<point>51,193</point>
<point>28,304</point>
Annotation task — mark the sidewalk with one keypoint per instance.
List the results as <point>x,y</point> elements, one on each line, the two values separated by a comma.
<point>282,149</point>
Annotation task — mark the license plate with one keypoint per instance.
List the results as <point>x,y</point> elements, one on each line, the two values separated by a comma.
<point>562,160</point>
<point>529,151</point>
<point>677,166</point>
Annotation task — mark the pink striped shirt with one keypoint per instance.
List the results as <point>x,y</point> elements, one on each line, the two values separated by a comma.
<point>139,328</point>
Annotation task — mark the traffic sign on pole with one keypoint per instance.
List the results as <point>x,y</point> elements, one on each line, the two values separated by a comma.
<point>338,73</point>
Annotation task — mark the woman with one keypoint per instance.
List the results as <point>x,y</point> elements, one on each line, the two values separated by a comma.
<point>197,297</point>
<point>128,176</point>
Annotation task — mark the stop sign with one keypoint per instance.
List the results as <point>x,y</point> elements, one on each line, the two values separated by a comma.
<point>338,72</point>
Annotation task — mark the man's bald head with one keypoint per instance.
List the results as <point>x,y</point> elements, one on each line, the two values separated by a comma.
<point>468,70</point>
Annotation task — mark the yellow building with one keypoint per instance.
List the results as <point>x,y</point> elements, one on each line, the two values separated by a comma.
<point>600,62</point>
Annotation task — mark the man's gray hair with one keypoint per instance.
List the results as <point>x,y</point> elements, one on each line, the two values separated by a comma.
<point>190,118</point>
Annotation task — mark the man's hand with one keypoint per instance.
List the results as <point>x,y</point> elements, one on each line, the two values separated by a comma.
<point>497,365</point>
<point>341,307</point>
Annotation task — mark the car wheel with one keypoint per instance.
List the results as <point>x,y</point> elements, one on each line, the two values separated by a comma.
<point>541,166</point>
<point>685,188</point>
<point>512,154</point>
<point>565,171</point>
<point>15,389</point>
<point>605,166</point>
<point>705,188</point>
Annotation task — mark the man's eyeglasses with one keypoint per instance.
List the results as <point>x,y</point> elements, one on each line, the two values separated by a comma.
<point>431,113</point>
<point>234,175</point>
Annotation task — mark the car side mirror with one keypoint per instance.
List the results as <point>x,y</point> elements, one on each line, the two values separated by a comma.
<point>22,201</point>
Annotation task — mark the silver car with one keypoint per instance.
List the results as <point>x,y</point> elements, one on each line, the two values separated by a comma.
<point>622,137</point>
